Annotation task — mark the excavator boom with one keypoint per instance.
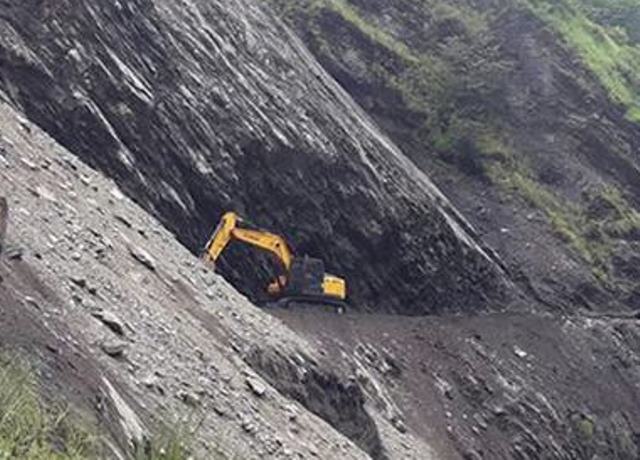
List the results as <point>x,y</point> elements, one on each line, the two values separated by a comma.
<point>228,231</point>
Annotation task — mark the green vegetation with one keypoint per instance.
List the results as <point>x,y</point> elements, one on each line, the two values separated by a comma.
<point>567,219</point>
<point>623,15</point>
<point>33,430</point>
<point>589,229</point>
<point>172,445</point>
<point>375,34</point>
<point>453,77</point>
<point>606,50</point>
<point>29,431</point>
<point>621,220</point>
<point>586,428</point>
<point>591,236</point>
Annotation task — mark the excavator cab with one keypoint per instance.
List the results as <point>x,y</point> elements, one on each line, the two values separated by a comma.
<point>303,279</point>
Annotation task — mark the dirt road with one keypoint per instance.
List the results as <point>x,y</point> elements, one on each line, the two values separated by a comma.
<point>498,385</point>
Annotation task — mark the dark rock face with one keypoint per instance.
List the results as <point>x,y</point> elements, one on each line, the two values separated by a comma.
<point>197,107</point>
<point>201,107</point>
<point>137,348</point>
<point>339,402</point>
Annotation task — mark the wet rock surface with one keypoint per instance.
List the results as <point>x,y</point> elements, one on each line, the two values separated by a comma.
<point>4,220</point>
<point>195,108</point>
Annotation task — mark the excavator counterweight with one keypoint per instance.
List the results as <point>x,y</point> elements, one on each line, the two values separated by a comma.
<point>302,278</point>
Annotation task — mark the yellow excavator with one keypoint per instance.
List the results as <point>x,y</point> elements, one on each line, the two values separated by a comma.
<point>301,279</point>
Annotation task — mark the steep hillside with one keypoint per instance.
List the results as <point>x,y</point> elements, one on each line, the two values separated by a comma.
<point>127,128</point>
<point>622,14</point>
<point>197,107</point>
<point>524,112</point>
<point>131,333</point>
<point>127,328</point>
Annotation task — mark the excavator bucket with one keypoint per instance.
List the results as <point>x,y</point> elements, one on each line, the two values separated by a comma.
<point>220,237</point>
<point>205,249</point>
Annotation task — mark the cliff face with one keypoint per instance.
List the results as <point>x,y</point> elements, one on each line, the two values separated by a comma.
<point>199,107</point>
<point>524,113</point>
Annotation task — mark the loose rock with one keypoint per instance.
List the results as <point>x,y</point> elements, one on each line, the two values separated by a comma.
<point>256,386</point>
<point>31,302</point>
<point>114,348</point>
<point>143,257</point>
<point>189,398</point>
<point>519,352</point>
<point>110,320</point>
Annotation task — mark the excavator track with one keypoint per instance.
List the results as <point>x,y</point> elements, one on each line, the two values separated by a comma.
<point>310,301</point>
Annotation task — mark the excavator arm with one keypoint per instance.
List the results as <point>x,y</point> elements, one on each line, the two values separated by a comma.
<point>228,231</point>
<point>220,237</point>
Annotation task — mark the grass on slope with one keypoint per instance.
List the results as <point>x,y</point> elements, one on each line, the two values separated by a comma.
<point>592,237</point>
<point>567,220</point>
<point>33,430</point>
<point>374,33</point>
<point>622,220</point>
<point>433,78</point>
<point>455,83</point>
<point>171,446</point>
<point>622,14</point>
<point>607,51</point>
<point>28,430</point>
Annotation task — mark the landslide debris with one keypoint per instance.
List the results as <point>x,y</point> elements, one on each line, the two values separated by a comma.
<point>157,346</point>
<point>497,386</point>
<point>195,108</point>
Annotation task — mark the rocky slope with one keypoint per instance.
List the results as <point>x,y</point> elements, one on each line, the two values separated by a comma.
<point>524,113</point>
<point>197,107</point>
<point>499,386</point>
<point>124,324</point>
<point>134,333</point>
